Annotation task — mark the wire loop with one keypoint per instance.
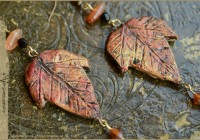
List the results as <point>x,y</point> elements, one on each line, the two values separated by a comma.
<point>3,27</point>
<point>189,87</point>
<point>104,123</point>
<point>86,6</point>
<point>115,22</point>
<point>32,52</point>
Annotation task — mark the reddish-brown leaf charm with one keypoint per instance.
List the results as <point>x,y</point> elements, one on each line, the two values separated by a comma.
<point>143,44</point>
<point>58,76</point>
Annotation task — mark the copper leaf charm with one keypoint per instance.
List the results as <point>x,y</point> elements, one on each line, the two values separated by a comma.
<point>57,76</point>
<point>143,44</point>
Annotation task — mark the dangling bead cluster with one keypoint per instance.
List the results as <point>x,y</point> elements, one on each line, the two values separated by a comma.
<point>98,12</point>
<point>15,39</point>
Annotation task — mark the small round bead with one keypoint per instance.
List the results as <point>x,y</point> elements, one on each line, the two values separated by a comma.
<point>22,43</point>
<point>105,17</point>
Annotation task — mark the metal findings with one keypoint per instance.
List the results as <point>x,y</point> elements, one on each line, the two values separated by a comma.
<point>32,52</point>
<point>104,123</point>
<point>115,22</point>
<point>86,6</point>
<point>96,12</point>
<point>3,27</point>
<point>189,87</point>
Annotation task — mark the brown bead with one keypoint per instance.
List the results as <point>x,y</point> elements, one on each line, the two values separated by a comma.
<point>197,99</point>
<point>12,39</point>
<point>95,14</point>
<point>116,133</point>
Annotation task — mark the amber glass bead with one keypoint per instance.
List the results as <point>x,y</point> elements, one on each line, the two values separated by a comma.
<point>12,39</point>
<point>197,99</point>
<point>96,13</point>
<point>116,133</point>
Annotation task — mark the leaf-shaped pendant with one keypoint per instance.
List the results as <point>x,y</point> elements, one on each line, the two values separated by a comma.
<point>57,76</point>
<point>143,44</point>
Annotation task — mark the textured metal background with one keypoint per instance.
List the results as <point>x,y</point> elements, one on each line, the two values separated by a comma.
<point>142,106</point>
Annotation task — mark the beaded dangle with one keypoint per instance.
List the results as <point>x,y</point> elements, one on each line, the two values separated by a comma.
<point>58,77</point>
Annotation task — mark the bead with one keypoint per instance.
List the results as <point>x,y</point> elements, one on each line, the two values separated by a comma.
<point>197,99</point>
<point>12,39</point>
<point>105,17</point>
<point>22,43</point>
<point>97,11</point>
<point>116,133</point>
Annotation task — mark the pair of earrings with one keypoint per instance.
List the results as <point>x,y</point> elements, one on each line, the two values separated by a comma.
<point>57,76</point>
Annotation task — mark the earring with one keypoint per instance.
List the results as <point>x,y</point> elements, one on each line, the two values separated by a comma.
<point>142,43</point>
<point>58,77</point>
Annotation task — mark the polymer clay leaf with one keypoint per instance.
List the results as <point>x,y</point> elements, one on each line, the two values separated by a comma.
<point>143,44</point>
<point>57,76</point>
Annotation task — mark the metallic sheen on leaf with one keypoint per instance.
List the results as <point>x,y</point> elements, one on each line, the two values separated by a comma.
<point>57,76</point>
<point>143,44</point>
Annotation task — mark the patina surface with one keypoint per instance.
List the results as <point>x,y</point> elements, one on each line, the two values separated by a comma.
<point>143,44</point>
<point>57,76</point>
<point>142,106</point>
